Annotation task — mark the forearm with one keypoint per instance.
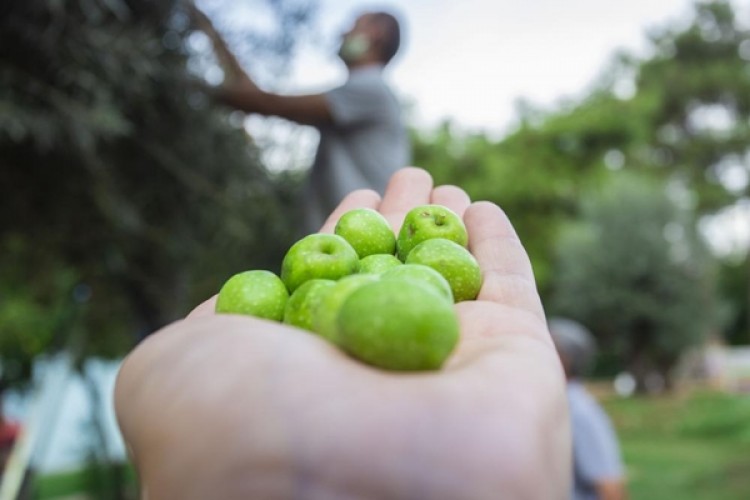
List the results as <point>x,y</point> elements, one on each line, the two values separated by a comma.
<point>306,109</point>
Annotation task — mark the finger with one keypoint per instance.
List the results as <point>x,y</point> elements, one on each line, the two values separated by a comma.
<point>206,308</point>
<point>508,278</point>
<point>362,198</point>
<point>452,197</point>
<point>408,188</point>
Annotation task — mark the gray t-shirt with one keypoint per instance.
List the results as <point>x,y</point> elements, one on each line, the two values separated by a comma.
<point>366,143</point>
<point>596,454</point>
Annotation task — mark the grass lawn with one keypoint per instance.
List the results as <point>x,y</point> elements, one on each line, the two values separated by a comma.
<point>688,446</point>
<point>95,483</point>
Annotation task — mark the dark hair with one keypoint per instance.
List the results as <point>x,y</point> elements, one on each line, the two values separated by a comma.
<point>391,34</point>
<point>574,342</point>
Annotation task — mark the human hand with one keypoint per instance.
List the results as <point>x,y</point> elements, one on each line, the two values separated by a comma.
<point>223,406</point>
<point>198,18</point>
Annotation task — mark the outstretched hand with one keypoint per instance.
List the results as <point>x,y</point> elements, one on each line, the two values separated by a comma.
<point>222,406</point>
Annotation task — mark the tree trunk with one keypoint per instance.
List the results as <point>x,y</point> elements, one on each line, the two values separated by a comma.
<point>664,366</point>
<point>639,363</point>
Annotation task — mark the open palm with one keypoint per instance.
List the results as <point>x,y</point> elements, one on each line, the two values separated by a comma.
<point>220,406</point>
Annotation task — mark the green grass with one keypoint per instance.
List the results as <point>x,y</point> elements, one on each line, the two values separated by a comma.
<point>692,446</point>
<point>94,482</point>
<point>688,447</point>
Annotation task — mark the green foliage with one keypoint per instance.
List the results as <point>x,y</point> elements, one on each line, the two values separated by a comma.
<point>634,271</point>
<point>733,279</point>
<point>679,116</point>
<point>96,481</point>
<point>696,94</point>
<point>538,172</point>
<point>121,185</point>
<point>688,446</point>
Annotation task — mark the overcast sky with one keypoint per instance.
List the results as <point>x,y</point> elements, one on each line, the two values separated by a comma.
<point>472,59</point>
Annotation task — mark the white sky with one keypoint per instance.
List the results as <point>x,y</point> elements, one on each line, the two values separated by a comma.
<point>472,59</point>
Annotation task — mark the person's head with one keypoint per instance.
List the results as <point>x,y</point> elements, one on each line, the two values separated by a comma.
<point>374,38</point>
<point>575,345</point>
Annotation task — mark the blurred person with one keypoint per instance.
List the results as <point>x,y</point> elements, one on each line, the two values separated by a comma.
<point>597,467</point>
<point>234,407</point>
<point>362,138</point>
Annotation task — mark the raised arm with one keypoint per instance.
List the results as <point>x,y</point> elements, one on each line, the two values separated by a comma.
<point>227,60</point>
<point>240,92</point>
<point>305,109</point>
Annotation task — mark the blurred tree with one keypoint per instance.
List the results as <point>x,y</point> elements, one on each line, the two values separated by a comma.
<point>680,115</point>
<point>696,91</point>
<point>634,270</point>
<point>536,173</point>
<point>126,198</point>
<point>733,282</point>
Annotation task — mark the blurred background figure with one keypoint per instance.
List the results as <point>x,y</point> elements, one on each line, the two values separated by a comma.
<point>597,466</point>
<point>362,137</point>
